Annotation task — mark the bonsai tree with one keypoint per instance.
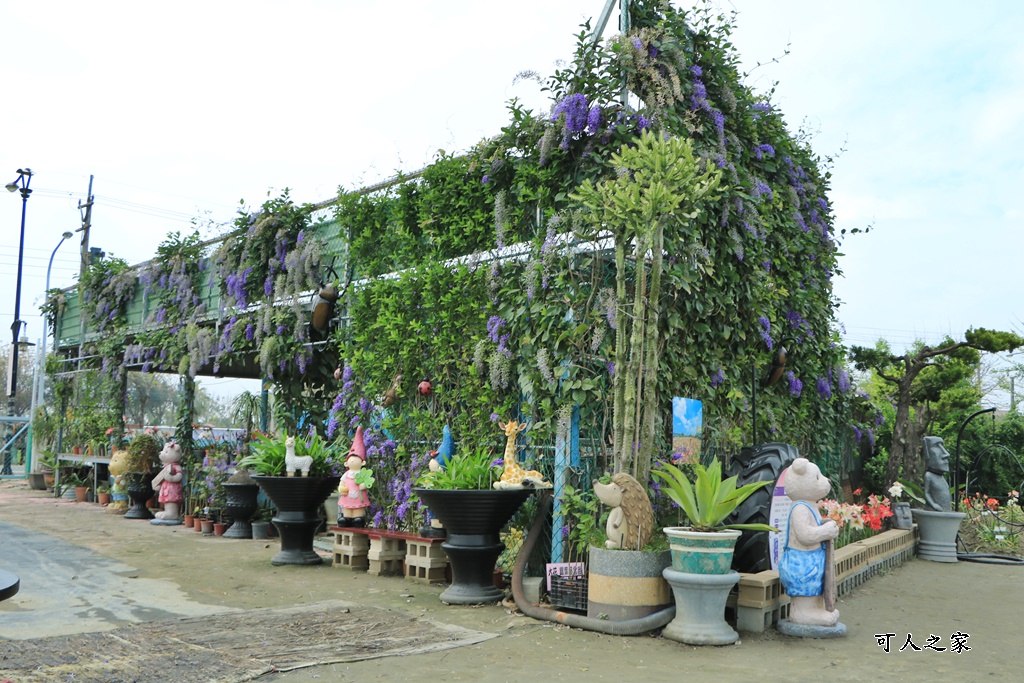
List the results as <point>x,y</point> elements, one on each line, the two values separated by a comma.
<point>908,374</point>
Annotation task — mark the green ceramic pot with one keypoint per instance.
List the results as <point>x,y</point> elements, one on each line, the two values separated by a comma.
<point>701,552</point>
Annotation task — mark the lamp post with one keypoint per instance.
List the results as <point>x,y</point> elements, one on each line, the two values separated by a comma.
<point>21,183</point>
<point>39,389</point>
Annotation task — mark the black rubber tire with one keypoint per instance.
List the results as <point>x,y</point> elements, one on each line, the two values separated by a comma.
<point>763,462</point>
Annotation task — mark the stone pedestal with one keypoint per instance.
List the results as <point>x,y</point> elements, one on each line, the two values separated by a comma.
<point>700,608</point>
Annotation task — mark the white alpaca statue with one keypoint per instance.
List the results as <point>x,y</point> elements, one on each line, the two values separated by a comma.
<point>293,462</point>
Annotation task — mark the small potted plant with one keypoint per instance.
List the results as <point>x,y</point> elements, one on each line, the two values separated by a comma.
<point>137,474</point>
<point>103,495</point>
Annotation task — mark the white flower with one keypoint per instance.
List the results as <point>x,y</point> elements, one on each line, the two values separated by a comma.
<point>896,490</point>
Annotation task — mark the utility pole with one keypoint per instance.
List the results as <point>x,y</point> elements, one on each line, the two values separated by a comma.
<point>86,224</point>
<point>85,261</point>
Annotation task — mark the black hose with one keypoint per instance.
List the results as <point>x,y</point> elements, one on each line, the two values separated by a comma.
<point>629,627</point>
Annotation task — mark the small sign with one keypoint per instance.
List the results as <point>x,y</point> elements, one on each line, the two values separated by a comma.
<point>687,430</point>
<point>569,570</point>
<point>778,517</point>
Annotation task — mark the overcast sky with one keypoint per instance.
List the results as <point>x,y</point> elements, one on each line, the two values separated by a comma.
<point>182,109</point>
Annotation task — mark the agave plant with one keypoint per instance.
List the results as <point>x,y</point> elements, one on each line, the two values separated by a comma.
<point>709,500</point>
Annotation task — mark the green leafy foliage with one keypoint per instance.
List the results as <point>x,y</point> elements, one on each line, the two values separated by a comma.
<point>710,499</point>
<point>469,469</point>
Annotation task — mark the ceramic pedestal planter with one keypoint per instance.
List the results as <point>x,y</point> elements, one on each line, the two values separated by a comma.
<point>473,520</point>
<point>298,501</point>
<point>938,532</point>
<point>626,584</point>
<point>701,578</point>
<point>241,505</point>
<point>139,487</point>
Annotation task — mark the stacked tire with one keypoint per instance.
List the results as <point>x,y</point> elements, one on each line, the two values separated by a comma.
<point>761,462</point>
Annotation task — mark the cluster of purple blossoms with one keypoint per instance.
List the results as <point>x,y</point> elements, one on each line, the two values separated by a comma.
<point>494,325</point>
<point>824,390</point>
<point>766,330</point>
<point>761,189</point>
<point>796,387</point>
<point>717,378</point>
<point>843,381</point>
<point>761,150</point>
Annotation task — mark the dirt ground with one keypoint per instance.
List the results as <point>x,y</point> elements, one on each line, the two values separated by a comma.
<point>918,599</point>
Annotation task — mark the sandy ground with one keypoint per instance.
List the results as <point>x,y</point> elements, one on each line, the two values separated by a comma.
<point>184,572</point>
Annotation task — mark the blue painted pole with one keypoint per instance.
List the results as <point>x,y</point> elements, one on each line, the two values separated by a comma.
<point>561,474</point>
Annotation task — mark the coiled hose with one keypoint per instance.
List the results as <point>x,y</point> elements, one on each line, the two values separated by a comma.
<point>629,627</point>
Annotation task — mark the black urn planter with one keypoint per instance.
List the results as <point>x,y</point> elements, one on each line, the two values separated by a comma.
<point>473,520</point>
<point>241,506</point>
<point>298,501</point>
<point>139,487</point>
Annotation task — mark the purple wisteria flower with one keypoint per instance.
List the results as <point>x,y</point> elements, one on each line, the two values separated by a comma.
<point>762,189</point>
<point>717,378</point>
<point>494,325</point>
<point>637,43</point>
<point>766,331</point>
<point>843,382</point>
<point>796,387</point>
<point>495,417</point>
<point>857,433</point>
<point>824,390</point>
<point>761,150</point>
<point>575,109</point>
<point>486,179</point>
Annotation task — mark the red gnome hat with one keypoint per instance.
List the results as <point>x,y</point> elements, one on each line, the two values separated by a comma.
<point>358,447</point>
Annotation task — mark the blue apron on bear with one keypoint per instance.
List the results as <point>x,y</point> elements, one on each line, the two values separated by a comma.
<point>802,572</point>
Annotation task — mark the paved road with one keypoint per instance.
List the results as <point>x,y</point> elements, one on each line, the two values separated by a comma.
<point>68,589</point>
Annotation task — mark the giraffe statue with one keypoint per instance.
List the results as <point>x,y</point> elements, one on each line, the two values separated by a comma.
<point>514,476</point>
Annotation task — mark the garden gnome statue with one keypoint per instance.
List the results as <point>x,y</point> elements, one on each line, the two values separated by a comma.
<point>444,452</point>
<point>353,499</point>
<point>168,483</point>
<point>804,556</point>
<point>936,464</point>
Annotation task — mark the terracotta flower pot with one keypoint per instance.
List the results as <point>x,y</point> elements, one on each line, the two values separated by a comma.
<point>207,527</point>
<point>189,521</point>
<point>103,498</point>
<point>81,494</point>
<point>219,528</point>
<point>197,524</point>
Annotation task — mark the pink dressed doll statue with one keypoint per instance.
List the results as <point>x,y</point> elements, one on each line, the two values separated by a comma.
<point>353,499</point>
<point>168,483</point>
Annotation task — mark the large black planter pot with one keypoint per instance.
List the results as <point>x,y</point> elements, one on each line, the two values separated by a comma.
<point>298,501</point>
<point>241,505</point>
<point>139,487</point>
<point>473,520</point>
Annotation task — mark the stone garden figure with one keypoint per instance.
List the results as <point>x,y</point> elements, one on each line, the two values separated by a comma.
<point>353,499</point>
<point>168,483</point>
<point>802,567</point>
<point>936,464</point>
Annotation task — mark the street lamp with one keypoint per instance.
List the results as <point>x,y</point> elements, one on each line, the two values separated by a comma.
<point>22,183</point>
